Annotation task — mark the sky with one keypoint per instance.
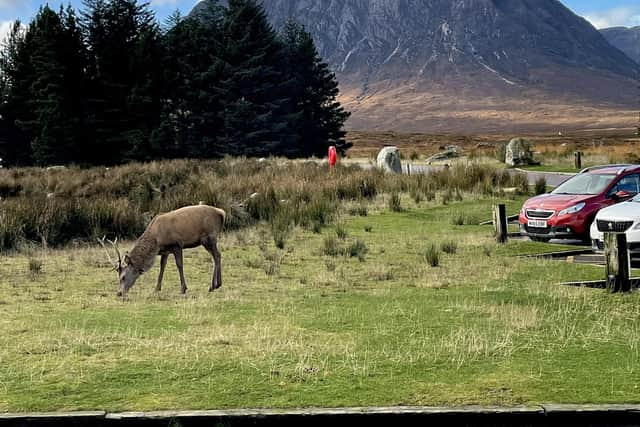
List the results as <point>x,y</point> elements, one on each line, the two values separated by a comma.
<point>601,13</point>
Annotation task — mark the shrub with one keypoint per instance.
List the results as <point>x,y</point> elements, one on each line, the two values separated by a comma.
<point>487,250</point>
<point>381,275</point>
<point>35,268</point>
<point>331,246</point>
<point>341,232</point>
<point>432,256</point>
<point>320,210</point>
<point>264,205</point>
<point>359,211</point>
<point>394,203</point>
<point>447,197</point>
<point>501,152</point>
<point>272,268</point>
<point>541,185</point>
<point>416,195</point>
<point>449,247</point>
<point>457,219</point>
<point>281,227</point>
<point>462,218</point>
<point>120,201</point>
<point>11,231</point>
<point>357,249</point>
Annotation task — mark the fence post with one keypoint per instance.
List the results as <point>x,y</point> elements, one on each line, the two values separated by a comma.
<point>617,261</point>
<point>578,159</point>
<point>500,223</point>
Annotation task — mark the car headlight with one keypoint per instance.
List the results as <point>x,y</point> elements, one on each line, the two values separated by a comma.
<point>637,227</point>
<point>572,209</point>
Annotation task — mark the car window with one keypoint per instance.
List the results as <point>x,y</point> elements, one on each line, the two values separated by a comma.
<point>630,184</point>
<point>586,183</point>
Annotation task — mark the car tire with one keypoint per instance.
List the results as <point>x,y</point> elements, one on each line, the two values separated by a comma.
<point>586,237</point>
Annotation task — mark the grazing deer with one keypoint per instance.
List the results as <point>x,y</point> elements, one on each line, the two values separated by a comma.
<point>170,233</point>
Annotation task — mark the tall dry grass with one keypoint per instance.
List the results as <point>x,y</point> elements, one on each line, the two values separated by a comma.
<point>54,207</point>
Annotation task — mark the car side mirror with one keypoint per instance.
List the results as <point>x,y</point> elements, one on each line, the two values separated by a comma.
<point>621,195</point>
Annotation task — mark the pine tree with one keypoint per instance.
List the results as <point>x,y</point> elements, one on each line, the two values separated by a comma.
<point>191,119</point>
<point>322,117</point>
<point>44,90</point>
<point>15,75</point>
<point>57,56</point>
<point>257,110</point>
<point>125,78</point>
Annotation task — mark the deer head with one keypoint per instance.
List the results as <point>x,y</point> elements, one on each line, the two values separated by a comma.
<point>127,274</point>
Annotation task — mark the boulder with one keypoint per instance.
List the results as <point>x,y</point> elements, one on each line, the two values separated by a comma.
<point>451,152</point>
<point>389,160</point>
<point>519,153</point>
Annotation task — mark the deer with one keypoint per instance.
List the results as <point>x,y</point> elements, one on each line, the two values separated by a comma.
<point>171,233</point>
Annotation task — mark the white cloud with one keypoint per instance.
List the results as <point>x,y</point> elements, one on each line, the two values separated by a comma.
<point>5,27</point>
<point>616,17</point>
<point>159,3</point>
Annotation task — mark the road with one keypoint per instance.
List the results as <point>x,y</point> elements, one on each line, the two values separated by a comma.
<point>554,179</point>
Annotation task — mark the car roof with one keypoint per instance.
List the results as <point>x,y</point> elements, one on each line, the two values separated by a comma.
<point>617,169</point>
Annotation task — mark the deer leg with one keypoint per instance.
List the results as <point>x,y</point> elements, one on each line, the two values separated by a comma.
<point>163,264</point>
<point>211,245</point>
<point>177,253</point>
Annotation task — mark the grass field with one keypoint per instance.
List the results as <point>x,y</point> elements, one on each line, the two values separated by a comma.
<point>373,324</point>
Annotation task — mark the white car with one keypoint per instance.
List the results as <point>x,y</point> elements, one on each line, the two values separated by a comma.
<point>621,218</point>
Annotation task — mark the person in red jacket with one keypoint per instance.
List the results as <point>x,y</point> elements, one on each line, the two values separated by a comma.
<point>333,157</point>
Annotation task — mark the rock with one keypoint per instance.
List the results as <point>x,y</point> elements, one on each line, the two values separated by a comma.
<point>519,153</point>
<point>56,168</point>
<point>389,160</point>
<point>452,152</point>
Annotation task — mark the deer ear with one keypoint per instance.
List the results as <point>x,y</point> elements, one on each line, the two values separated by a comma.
<point>127,260</point>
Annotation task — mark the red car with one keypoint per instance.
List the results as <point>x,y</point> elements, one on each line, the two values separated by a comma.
<point>568,211</point>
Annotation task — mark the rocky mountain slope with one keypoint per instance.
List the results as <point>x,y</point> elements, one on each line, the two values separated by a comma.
<point>625,39</point>
<point>468,65</point>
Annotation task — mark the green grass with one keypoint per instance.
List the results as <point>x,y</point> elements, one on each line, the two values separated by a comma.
<point>484,327</point>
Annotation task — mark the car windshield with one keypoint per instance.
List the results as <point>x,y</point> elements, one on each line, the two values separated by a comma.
<point>587,183</point>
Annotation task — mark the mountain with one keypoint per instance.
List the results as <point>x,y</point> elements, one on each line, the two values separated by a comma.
<point>468,65</point>
<point>625,39</point>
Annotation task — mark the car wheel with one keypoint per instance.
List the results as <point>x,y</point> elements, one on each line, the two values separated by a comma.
<point>586,237</point>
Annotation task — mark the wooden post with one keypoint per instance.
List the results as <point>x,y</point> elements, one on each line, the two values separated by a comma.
<point>500,223</point>
<point>617,261</point>
<point>578,159</point>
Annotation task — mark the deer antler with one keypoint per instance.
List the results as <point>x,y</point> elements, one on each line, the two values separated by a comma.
<point>117,265</point>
